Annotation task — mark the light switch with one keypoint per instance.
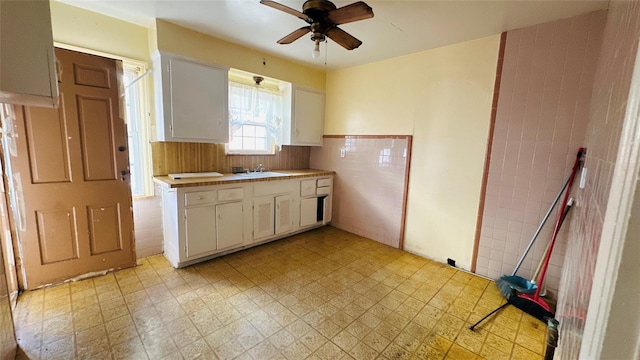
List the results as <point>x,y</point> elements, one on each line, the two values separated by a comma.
<point>343,152</point>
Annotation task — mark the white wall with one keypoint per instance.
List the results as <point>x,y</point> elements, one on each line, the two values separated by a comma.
<point>443,98</point>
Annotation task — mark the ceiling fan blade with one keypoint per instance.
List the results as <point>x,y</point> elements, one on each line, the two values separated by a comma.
<point>353,12</point>
<point>343,38</point>
<point>294,35</point>
<point>286,9</point>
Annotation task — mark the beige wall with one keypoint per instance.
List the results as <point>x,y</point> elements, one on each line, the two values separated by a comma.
<point>90,30</point>
<point>178,40</point>
<point>442,97</point>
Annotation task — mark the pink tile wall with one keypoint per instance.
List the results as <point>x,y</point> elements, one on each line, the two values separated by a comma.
<point>542,114</point>
<point>147,222</point>
<point>370,184</point>
<point>606,115</point>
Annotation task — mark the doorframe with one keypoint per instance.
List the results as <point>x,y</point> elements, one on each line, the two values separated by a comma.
<point>602,328</point>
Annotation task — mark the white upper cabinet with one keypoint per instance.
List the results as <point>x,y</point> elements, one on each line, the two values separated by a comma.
<point>27,62</point>
<point>306,121</point>
<point>192,100</point>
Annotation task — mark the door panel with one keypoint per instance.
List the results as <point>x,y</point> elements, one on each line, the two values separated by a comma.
<point>57,232</point>
<point>60,243</point>
<point>48,144</point>
<point>96,124</point>
<point>105,228</point>
<point>92,76</point>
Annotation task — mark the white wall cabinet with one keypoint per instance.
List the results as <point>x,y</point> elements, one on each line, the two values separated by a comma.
<point>27,61</point>
<point>192,100</point>
<point>201,222</point>
<point>305,125</point>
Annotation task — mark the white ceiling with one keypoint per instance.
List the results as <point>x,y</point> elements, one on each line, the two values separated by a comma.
<point>398,27</point>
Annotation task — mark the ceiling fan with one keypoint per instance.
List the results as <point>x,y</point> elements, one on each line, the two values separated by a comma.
<point>323,18</point>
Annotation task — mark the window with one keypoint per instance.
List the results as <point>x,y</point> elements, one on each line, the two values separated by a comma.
<point>134,117</point>
<point>255,119</point>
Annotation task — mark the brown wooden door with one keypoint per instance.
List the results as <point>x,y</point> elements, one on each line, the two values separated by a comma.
<point>71,174</point>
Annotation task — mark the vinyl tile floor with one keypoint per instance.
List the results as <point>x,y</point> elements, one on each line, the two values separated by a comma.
<point>323,294</point>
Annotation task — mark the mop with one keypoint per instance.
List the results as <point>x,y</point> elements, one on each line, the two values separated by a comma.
<point>534,305</point>
<point>506,283</point>
<point>513,292</point>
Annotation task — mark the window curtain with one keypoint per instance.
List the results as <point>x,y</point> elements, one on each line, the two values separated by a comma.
<point>258,106</point>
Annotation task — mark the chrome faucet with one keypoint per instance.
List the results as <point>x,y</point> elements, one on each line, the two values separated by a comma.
<point>258,168</point>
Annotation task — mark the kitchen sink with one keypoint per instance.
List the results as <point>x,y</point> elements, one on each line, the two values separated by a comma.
<point>264,174</point>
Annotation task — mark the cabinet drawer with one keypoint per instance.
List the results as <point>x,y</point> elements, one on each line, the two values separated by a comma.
<point>324,182</point>
<point>307,187</point>
<point>199,197</point>
<point>325,190</point>
<point>230,194</point>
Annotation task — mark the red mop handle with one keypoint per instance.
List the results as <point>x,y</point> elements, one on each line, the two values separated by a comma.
<point>556,229</point>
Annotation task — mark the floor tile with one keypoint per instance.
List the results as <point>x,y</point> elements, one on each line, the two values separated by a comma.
<point>324,294</point>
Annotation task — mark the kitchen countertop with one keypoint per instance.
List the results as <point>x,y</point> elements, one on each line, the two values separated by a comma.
<point>166,181</point>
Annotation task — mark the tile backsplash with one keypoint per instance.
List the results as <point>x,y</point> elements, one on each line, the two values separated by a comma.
<point>177,157</point>
<point>542,113</point>
<point>370,185</point>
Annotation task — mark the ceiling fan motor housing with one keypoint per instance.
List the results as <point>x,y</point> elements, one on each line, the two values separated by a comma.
<point>317,9</point>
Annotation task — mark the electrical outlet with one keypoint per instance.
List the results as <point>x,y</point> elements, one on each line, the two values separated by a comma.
<point>451,262</point>
<point>343,152</point>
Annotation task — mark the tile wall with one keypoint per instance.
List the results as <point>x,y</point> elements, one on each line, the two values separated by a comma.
<point>542,114</point>
<point>175,157</point>
<point>370,185</point>
<point>608,106</point>
<point>147,222</point>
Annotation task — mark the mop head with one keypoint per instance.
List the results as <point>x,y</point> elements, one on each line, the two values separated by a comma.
<point>537,308</point>
<point>507,284</point>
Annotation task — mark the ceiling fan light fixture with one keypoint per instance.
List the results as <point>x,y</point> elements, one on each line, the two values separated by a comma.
<point>323,18</point>
<point>258,80</point>
<point>316,50</point>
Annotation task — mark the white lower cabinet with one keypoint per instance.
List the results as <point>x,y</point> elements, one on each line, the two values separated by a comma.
<point>263,218</point>
<point>283,219</point>
<point>272,216</point>
<point>308,211</point>
<point>201,222</point>
<point>229,225</point>
<point>199,231</point>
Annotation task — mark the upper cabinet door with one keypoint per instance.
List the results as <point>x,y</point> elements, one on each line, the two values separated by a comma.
<point>192,101</point>
<point>305,125</point>
<point>308,116</point>
<point>27,64</point>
